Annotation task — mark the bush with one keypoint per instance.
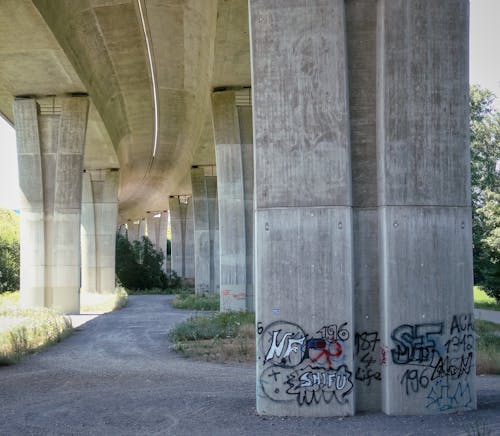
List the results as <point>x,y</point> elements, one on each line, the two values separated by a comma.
<point>9,251</point>
<point>139,265</point>
<point>196,302</point>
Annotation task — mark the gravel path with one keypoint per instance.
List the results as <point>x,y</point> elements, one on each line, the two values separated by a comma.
<point>117,376</point>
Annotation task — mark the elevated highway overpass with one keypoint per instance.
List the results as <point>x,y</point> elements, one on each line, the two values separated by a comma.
<point>314,158</point>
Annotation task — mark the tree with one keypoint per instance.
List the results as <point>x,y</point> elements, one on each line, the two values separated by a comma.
<point>485,181</point>
<point>138,264</point>
<point>9,251</point>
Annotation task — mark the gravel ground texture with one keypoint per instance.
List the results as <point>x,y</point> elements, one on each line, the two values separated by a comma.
<point>117,376</point>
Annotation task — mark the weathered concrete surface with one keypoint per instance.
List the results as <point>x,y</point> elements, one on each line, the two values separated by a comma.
<point>116,376</point>
<point>201,231</point>
<point>181,224</point>
<point>213,220</point>
<point>232,234</point>
<point>157,223</point>
<point>98,231</point>
<point>303,251</point>
<point>424,206</point>
<point>361,24</point>
<point>50,158</point>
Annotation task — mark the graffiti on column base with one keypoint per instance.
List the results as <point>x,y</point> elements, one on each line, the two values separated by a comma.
<point>438,361</point>
<point>302,367</point>
<point>366,345</point>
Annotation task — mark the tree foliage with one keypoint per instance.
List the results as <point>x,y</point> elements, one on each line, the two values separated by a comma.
<point>9,251</point>
<point>139,265</point>
<point>485,180</point>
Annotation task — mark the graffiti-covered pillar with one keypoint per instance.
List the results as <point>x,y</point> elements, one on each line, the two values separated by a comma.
<point>424,207</point>
<point>231,197</point>
<point>201,231</point>
<point>303,216</point>
<point>50,156</point>
<point>361,21</point>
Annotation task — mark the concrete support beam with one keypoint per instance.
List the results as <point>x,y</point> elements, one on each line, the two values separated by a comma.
<point>361,22</point>
<point>182,242</point>
<point>133,230</point>
<point>50,157</point>
<point>213,222</point>
<point>99,215</point>
<point>201,231</point>
<point>424,207</point>
<point>304,248</point>
<point>228,150</point>
<point>157,232</point>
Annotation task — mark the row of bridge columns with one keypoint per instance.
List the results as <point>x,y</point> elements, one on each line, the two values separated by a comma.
<point>343,215</point>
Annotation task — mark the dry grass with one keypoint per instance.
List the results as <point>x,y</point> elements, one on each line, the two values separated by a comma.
<point>26,331</point>
<point>103,303</point>
<point>224,337</point>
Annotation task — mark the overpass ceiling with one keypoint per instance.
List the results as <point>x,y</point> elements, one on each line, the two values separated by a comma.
<point>52,47</point>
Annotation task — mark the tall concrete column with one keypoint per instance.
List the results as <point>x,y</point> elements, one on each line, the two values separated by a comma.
<point>361,21</point>
<point>201,231</point>
<point>303,217</point>
<point>233,268</point>
<point>99,215</point>
<point>178,230</point>
<point>189,241</point>
<point>213,221</point>
<point>50,157</point>
<point>157,231</point>
<point>424,206</point>
<point>142,228</point>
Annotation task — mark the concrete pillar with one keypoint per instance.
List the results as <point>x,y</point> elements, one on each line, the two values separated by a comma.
<point>361,22</point>
<point>157,232</point>
<point>201,231</point>
<point>189,241</point>
<point>133,230</point>
<point>142,229</point>
<point>178,229</point>
<point>99,215</point>
<point>303,217</point>
<point>233,268</point>
<point>424,207</point>
<point>213,221</point>
<point>122,229</point>
<point>246,135</point>
<point>50,157</point>
<point>181,225</point>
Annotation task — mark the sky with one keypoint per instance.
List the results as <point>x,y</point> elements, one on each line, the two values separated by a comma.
<point>484,71</point>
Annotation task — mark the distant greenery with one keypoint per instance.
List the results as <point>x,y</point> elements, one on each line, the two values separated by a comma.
<point>9,250</point>
<point>139,265</point>
<point>483,301</point>
<point>223,337</point>
<point>485,181</point>
<point>196,302</point>
<point>488,347</point>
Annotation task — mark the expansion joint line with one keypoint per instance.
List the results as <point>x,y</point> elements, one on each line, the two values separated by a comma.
<point>153,80</point>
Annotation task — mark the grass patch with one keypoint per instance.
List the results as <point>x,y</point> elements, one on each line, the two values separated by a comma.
<point>103,303</point>
<point>488,347</point>
<point>223,337</point>
<point>483,301</point>
<point>196,302</point>
<point>26,331</point>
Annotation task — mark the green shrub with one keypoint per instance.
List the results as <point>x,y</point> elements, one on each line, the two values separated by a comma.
<point>196,302</point>
<point>9,251</point>
<point>139,265</point>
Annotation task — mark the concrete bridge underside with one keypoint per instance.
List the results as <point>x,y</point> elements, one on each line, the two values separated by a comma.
<point>312,155</point>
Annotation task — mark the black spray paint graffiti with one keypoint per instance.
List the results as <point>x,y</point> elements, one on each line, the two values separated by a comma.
<point>439,361</point>
<point>308,368</point>
<point>366,351</point>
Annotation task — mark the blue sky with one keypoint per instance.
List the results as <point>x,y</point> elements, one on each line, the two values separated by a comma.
<point>484,71</point>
